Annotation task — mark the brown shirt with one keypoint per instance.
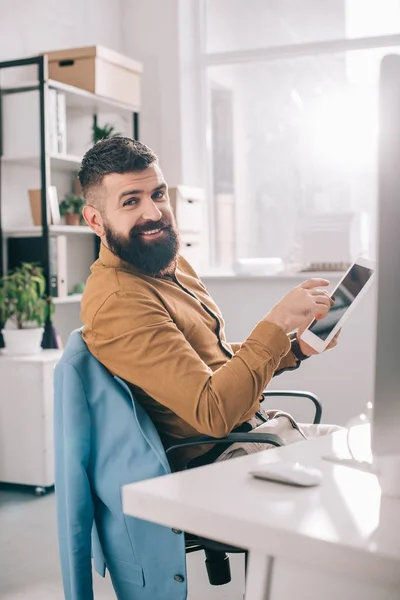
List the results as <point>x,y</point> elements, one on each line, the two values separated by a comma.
<point>165,337</point>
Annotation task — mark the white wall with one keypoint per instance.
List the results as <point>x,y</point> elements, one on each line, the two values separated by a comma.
<point>27,28</point>
<point>161,33</point>
<point>150,34</point>
<point>164,36</point>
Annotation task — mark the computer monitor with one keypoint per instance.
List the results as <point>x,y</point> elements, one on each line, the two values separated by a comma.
<point>386,414</point>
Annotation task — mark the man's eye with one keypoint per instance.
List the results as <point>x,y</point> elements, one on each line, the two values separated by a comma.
<point>158,195</point>
<point>130,202</point>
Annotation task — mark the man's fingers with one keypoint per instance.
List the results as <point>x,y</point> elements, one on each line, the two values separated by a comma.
<point>313,283</point>
<point>322,299</point>
<point>318,292</point>
<point>321,311</point>
<point>334,341</point>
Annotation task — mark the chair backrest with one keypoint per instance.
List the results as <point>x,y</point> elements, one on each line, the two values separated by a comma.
<point>101,386</point>
<point>104,439</point>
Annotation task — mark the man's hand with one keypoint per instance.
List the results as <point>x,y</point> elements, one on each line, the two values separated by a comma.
<point>308,350</point>
<point>301,305</point>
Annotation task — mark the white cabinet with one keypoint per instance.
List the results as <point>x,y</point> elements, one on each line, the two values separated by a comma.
<point>26,418</point>
<point>187,204</point>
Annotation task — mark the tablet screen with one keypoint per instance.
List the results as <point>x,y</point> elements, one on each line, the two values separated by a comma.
<point>344,295</point>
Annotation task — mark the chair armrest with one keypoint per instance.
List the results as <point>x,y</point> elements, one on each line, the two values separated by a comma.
<point>232,438</point>
<point>296,394</point>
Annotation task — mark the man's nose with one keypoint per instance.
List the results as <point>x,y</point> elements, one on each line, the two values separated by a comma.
<point>151,212</point>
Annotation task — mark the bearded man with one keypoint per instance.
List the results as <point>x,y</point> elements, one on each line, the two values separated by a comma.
<point>149,319</point>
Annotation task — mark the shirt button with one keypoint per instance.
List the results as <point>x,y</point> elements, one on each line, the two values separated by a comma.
<point>177,531</point>
<point>179,578</point>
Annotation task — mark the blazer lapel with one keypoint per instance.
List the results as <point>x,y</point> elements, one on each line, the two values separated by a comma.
<point>146,427</point>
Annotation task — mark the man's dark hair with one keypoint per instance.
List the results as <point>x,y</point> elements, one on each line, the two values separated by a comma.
<point>115,155</point>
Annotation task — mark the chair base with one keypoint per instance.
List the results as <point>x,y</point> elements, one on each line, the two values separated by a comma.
<point>217,560</point>
<point>218,567</point>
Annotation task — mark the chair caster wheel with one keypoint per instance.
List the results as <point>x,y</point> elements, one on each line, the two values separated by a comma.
<point>40,491</point>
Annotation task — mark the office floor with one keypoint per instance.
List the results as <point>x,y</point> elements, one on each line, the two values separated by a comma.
<point>29,568</point>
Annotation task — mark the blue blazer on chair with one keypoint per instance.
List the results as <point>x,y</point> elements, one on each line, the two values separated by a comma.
<point>103,440</point>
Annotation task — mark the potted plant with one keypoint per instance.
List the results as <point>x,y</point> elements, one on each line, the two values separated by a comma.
<point>71,209</point>
<point>24,309</point>
<point>102,133</point>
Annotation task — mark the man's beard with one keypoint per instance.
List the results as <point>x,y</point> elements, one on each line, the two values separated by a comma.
<point>153,257</point>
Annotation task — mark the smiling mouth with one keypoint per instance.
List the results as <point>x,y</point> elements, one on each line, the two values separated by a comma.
<point>152,232</point>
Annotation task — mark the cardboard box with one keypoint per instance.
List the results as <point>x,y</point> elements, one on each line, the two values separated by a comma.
<point>187,204</point>
<point>191,249</point>
<point>98,70</point>
<point>53,209</point>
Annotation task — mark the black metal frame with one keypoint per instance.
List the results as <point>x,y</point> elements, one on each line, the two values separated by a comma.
<point>136,126</point>
<point>262,438</point>
<point>41,63</point>
<point>1,186</point>
<point>297,394</point>
<point>232,438</point>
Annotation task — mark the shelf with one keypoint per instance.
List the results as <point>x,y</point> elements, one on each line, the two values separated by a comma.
<point>84,100</point>
<point>68,299</point>
<point>35,231</point>
<point>65,162</point>
<point>76,97</point>
<point>59,162</point>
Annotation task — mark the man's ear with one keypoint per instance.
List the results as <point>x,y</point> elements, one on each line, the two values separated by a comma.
<point>94,219</point>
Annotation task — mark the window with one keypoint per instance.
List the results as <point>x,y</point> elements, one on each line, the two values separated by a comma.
<point>292,137</point>
<point>233,25</point>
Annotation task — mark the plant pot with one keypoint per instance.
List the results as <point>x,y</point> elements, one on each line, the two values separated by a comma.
<point>74,219</point>
<point>23,341</point>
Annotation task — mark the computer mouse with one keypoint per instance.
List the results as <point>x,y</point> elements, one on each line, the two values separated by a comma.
<point>291,473</point>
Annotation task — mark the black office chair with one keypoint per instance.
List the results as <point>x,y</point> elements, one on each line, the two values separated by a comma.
<point>217,559</point>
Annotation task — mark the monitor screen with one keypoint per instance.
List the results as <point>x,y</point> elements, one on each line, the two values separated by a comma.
<point>386,418</point>
<point>344,296</point>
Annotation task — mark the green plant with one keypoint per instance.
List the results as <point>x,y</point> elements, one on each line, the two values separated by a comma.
<point>22,297</point>
<point>102,133</point>
<point>71,204</point>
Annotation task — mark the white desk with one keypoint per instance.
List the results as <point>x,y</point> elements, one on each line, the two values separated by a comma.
<point>338,540</point>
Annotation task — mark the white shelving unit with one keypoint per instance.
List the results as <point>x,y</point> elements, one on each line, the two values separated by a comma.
<point>71,299</point>
<point>86,101</point>
<point>77,98</point>
<point>28,166</point>
<point>59,162</point>
<point>35,231</point>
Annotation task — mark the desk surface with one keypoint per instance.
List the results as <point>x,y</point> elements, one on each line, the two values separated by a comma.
<point>343,524</point>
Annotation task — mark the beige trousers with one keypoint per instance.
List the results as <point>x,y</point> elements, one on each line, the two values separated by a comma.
<point>281,424</point>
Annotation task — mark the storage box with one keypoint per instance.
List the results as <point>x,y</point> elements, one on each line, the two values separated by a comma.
<point>191,249</point>
<point>333,238</point>
<point>187,204</point>
<point>53,209</point>
<point>98,70</point>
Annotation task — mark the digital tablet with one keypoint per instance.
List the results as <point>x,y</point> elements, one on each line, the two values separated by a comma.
<point>354,285</point>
